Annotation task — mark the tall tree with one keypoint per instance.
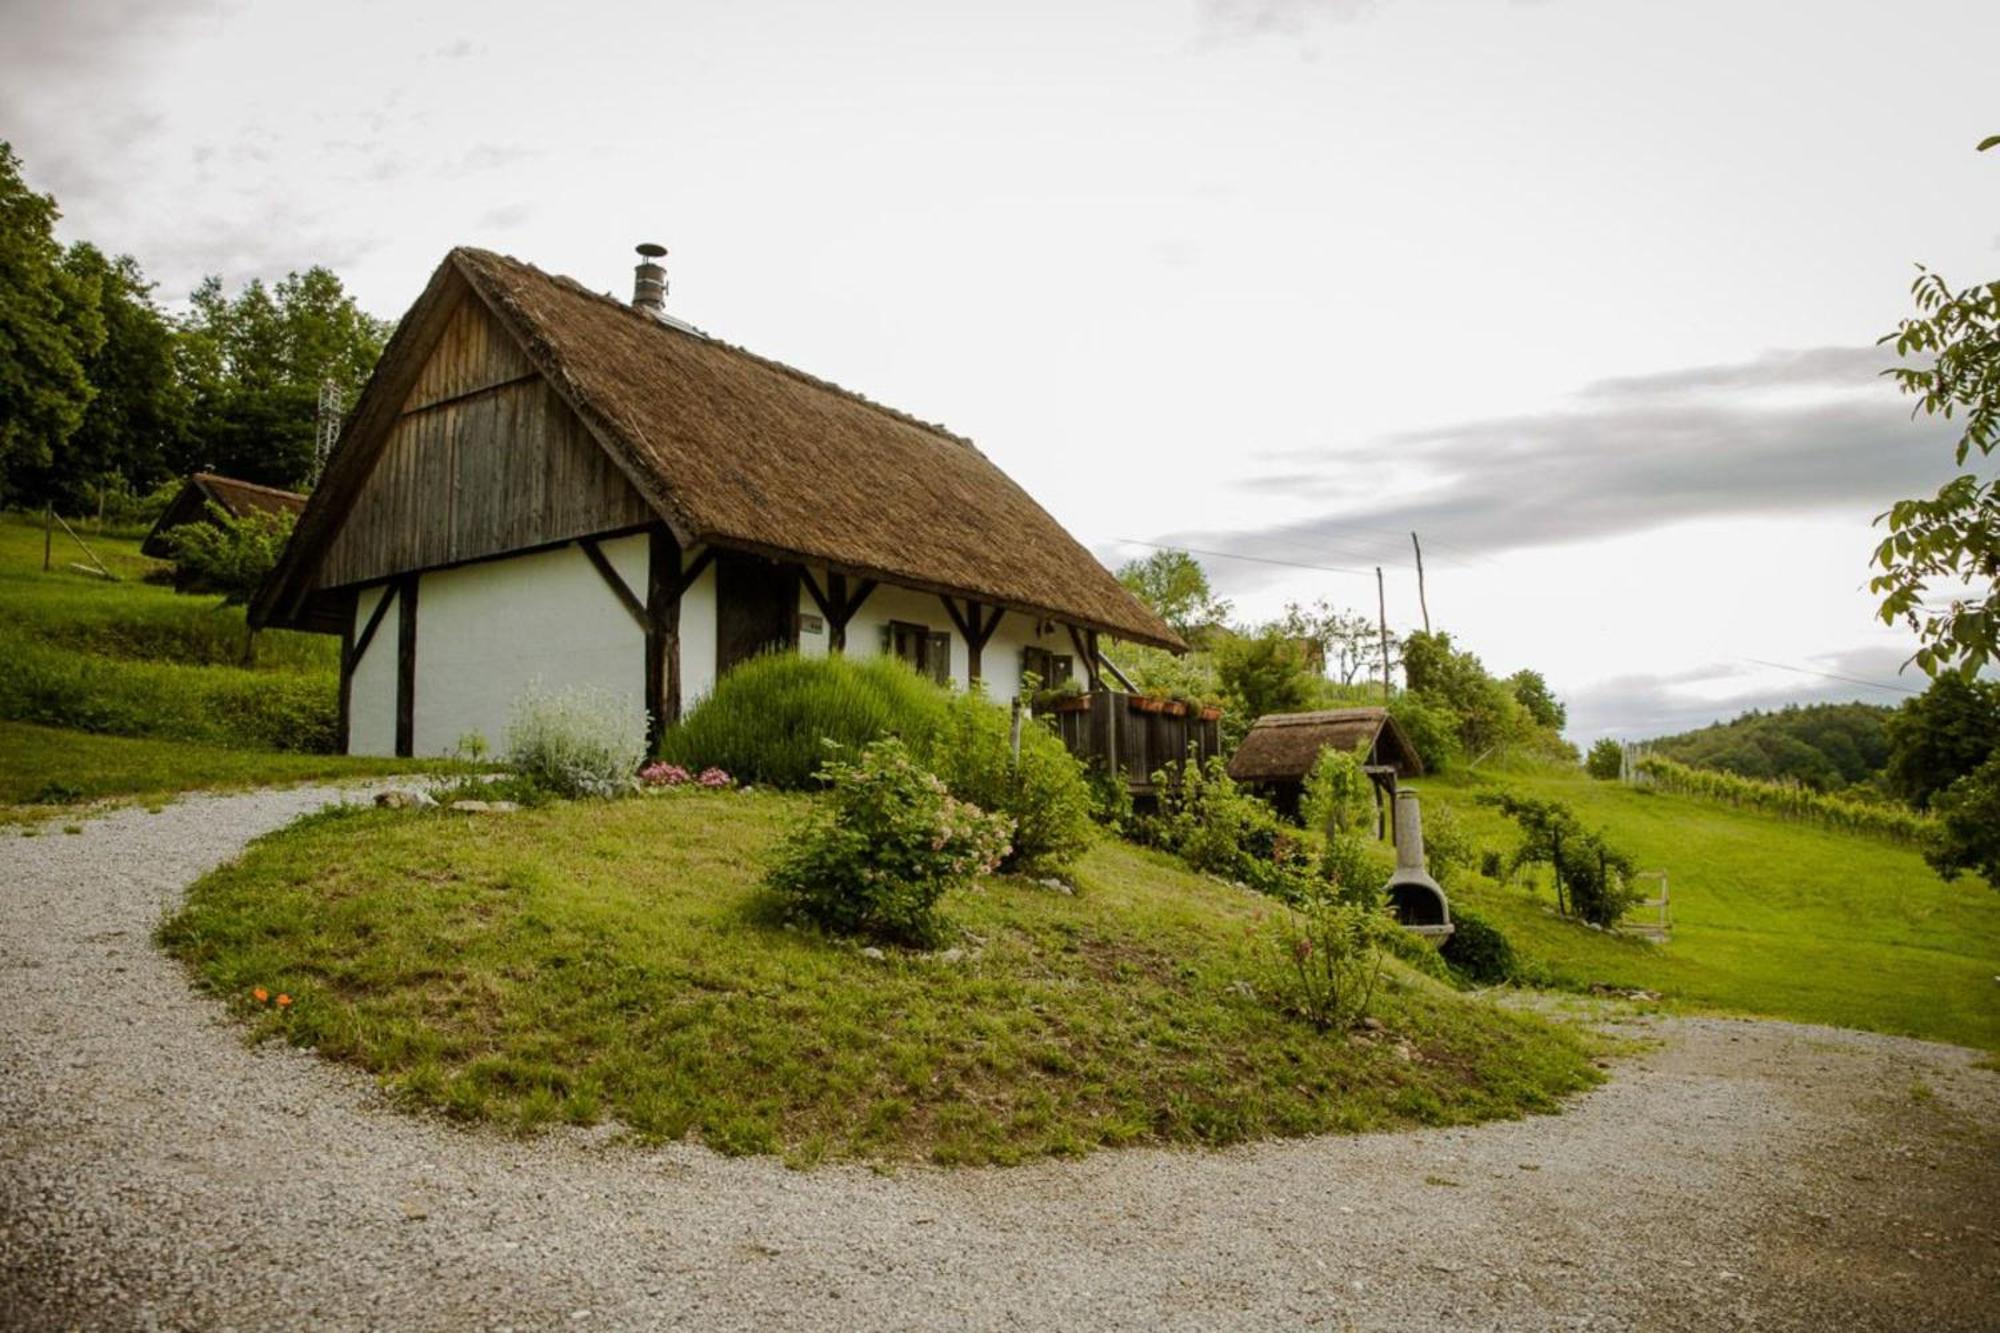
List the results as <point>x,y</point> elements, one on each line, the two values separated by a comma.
<point>1534,694</point>
<point>1351,641</point>
<point>1951,541</point>
<point>255,363</point>
<point>49,328</point>
<point>1941,735</point>
<point>1175,585</point>
<point>133,431</point>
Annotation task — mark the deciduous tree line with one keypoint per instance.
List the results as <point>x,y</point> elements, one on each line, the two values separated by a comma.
<point>105,395</point>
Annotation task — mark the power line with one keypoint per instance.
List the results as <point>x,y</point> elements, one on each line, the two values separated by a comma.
<point>1851,680</point>
<point>1255,559</point>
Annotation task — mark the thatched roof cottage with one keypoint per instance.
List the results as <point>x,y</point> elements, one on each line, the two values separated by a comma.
<point>238,499</point>
<point>1280,749</point>
<point>544,483</point>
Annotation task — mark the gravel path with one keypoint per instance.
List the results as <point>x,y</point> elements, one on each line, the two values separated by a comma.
<point>155,1172</point>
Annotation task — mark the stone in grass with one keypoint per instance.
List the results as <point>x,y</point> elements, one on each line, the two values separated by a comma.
<point>485,807</point>
<point>1057,886</point>
<point>404,800</point>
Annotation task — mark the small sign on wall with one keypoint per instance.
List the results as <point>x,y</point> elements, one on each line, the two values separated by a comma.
<point>812,624</point>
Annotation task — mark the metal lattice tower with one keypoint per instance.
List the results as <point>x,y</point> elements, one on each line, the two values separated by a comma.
<point>326,426</point>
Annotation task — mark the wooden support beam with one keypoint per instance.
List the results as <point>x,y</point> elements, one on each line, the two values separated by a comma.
<point>616,582</point>
<point>347,656</point>
<point>663,633</point>
<point>820,599</point>
<point>356,647</point>
<point>406,665</point>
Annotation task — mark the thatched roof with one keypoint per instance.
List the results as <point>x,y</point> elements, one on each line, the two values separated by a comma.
<point>237,498</point>
<point>736,450</point>
<point>1282,747</point>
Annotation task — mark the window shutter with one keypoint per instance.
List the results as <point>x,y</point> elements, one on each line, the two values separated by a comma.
<point>937,657</point>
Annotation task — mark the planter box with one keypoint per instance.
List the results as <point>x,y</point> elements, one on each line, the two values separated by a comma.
<point>1210,713</point>
<point>1175,708</point>
<point>1075,703</point>
<point>1145,704</point>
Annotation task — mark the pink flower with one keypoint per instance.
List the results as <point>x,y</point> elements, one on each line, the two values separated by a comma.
<point>711,777</point>
<point>663,774</point>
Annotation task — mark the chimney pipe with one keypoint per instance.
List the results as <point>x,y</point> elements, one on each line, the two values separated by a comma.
<point>649,279</point>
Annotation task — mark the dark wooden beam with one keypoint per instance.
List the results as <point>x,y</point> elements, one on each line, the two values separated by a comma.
<point>861,594</point>
<point>663,633</point>
<point>406,666</point>
<point>347,656</point>
<point>958,617</point>
<point>1086,651</point>
<point>356,647</point>
<point>695,570</point>
<point>836,611</point>
<point>820,599</point>
<point>616,582</point>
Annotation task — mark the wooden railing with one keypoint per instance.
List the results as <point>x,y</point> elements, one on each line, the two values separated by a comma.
<point>1123,732</point>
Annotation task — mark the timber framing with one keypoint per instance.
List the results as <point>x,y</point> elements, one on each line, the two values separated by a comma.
<point>406,665</point>
<point>836,604</point>
<point>974,628</point>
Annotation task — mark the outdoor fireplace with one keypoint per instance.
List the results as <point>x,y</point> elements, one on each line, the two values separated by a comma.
<point>1416,898</point>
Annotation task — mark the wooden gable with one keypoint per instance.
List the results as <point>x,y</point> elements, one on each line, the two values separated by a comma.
<point>483,458</point>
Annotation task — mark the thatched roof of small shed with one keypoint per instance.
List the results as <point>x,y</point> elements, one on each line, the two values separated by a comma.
<point>237,498</point>
<point>736,450</point>
<point>1282,747</point>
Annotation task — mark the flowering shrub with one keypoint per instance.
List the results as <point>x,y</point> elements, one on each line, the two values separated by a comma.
<point>577,741</point>
<point>1215,826</point>
<point>1324,958</point>
<point>886,846</point>
<point>713,777</point>
<point>1043,792</point>
<point>660,773</point>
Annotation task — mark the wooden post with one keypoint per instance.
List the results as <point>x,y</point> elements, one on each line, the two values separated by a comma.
<point>347,671</point>
<point>1382,611</point>
<point>1423,601</point>
<point>48,535</point>
<point>663,633</point>
<point>1014,734</point>
<point>406,666</point>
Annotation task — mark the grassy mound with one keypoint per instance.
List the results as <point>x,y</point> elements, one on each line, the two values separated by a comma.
<point>619,960</point>
<point>1770,917</point>
<point>137,659</point>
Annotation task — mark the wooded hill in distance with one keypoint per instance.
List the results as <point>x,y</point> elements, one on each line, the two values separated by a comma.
<point>1824,746</point>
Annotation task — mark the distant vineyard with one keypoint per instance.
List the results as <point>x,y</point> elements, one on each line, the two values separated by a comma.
<point>1788,800</point>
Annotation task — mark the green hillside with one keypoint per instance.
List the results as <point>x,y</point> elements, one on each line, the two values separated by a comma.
<point>1769,917</point>
<point>128,687</point>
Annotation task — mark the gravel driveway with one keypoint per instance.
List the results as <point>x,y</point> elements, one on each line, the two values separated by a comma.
<point>155,1172</point>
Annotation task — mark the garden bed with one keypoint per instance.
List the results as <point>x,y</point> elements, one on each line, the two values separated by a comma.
<point>593,961</point>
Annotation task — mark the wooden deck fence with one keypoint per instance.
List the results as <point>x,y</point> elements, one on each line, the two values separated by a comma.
<point>1120,730</point>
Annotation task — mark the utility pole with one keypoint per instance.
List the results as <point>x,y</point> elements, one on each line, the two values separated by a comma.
<point>1422,600</point>
<point>1382,612</point>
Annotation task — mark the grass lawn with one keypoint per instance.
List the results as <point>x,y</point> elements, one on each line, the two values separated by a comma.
<point>1769,917</point>
<point>594,960</point>
<point>43,768</point>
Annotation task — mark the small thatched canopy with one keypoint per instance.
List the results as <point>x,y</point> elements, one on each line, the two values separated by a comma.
<point>737,451</point>
<point>1282,747</point>
<point>235,498</point>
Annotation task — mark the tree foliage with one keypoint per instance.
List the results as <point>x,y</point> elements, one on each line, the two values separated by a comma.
<point>1968,828</point>
<point>1949,543</point>
<point>1488,712</point>
<point>1593,879</point>
<point>1175,585</point>
<point>1606,760</point>
<point>1940,736</point>
<point>1532,692</point>
<point>1351,642</point>
<point>49,329</point>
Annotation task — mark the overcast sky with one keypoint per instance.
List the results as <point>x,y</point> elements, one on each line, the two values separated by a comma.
<point>1584,291</point>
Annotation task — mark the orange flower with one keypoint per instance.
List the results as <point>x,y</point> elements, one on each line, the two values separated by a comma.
<point>284,1001</point>
<point>260,995</point>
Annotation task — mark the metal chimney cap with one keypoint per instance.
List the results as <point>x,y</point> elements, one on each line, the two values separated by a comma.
<point>651,250</point>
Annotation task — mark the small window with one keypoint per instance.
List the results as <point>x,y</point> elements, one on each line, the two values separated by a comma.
<point>1050,670</point>
<point>928,651</point>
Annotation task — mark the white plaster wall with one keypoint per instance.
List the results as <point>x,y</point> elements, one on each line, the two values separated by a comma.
<point>371,699</point>
<point>887,603</point>
<point>697,637</point>
<point>1000,663</point>
<point>486,632</point>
